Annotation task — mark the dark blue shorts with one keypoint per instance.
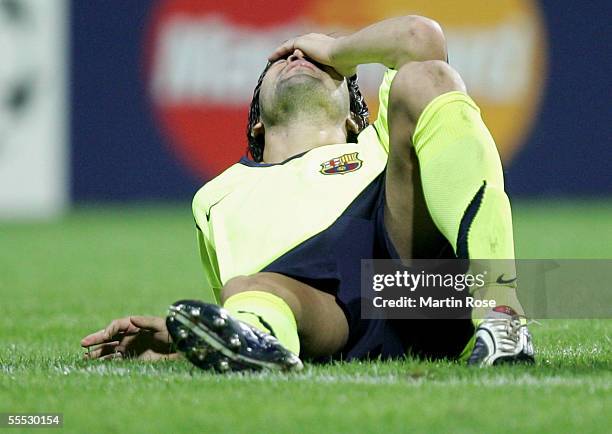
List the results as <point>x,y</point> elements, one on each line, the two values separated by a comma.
<point>331,262</point>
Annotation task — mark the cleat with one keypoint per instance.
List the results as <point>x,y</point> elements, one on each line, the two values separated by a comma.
<point>502,338</point>
<point>219,322</point>
<point>294,360</point>
<point>223,365</point>
<point>195,311</point>
<point>214,340</point>
<point>199,353</point>
<point>235,341</point>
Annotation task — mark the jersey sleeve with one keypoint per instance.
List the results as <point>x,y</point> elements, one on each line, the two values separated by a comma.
<point>208,254</point>
<point>381,125</point>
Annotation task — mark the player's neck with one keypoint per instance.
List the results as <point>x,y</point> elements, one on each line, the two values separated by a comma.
<point>285,141</point>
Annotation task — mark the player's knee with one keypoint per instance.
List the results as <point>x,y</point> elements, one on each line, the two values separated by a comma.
<point>416,84</point>
<point>254,282</point>
<point>234,286</point>
<point>265,282</point>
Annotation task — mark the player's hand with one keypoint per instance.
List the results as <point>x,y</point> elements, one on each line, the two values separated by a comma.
<point>140,337</point>
<point>316,46</point>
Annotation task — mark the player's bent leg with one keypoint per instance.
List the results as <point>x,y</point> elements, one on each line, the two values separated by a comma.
<point>432,117</point>
<point>262,309</point>
<point>321,324</point>
<point>407,218</point>
<point>259,325</point>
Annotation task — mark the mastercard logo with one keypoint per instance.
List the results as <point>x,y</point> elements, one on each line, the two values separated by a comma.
<point>203,57</point>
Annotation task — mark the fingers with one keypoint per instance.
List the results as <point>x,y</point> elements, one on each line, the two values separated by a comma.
<point>119,350</point>
<point>151,355</point>
<point>285,49</point>
<point>102,351</point>
<point>114,350</point>
<point>121,325</point>
<point>112,356</point>
<point>93,339</point>
<point>152,323</point>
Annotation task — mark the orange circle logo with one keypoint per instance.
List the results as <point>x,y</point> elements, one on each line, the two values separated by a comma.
<point>203,58</point>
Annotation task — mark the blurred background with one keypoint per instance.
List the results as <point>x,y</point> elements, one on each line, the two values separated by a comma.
<point>115,102</point>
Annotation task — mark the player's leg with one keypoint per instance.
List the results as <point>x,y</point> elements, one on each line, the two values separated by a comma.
<point>408,220</point>
<point>307,321</point>
<point>267,320</point>
<point>431,117</point>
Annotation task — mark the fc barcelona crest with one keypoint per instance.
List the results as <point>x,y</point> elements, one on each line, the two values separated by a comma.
<point>344,164</point>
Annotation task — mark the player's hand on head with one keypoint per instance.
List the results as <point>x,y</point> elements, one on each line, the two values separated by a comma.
<point>316,46</point>
<point>142,337</point>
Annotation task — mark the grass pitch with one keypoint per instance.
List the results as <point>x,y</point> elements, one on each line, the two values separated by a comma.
<point>60,281</point>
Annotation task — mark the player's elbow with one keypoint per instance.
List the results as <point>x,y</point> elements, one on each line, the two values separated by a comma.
<point>422,39</point>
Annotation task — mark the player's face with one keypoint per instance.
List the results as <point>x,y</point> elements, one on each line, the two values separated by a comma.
<point>296,76</point>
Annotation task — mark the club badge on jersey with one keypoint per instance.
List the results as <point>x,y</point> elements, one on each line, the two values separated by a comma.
<point>341,165</point>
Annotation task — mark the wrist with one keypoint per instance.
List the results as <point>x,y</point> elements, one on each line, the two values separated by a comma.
<point>340,56</point>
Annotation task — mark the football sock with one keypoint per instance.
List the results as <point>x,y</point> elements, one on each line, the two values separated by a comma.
<point>463,185</point>
<point>268,313</point>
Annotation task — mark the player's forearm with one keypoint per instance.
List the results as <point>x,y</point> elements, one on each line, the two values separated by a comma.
<point>392,42</point>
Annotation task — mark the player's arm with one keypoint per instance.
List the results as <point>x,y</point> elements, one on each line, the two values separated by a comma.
<point>392,42</point>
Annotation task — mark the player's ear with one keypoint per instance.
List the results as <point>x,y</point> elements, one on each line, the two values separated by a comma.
<point>351,125</point>
<point>258,130</point>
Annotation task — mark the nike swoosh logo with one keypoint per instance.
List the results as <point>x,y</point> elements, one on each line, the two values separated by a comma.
<point>503,281</point>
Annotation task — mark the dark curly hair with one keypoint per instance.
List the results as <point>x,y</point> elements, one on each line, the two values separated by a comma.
<point>358,107</point>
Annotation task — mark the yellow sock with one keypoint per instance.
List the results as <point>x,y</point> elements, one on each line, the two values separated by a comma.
<point>463,184</point>
<point>268,313</point>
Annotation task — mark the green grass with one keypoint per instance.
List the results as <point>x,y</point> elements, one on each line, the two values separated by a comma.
<point>62,280</point>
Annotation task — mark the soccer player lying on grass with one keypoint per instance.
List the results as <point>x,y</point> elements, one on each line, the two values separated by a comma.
<point>282,234</point>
